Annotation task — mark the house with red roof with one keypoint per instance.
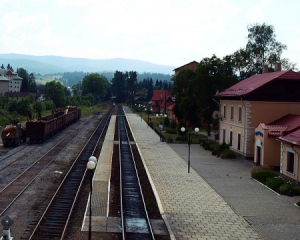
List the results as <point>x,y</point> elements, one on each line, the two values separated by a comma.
<point>262,98</point>
<point>289,156</point>
<point>161,101</point>
<point>266,138</point>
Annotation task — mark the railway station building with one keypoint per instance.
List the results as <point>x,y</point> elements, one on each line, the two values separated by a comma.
<point>262,98</point>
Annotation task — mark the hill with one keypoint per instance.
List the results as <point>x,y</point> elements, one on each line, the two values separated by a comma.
<point>55,64</point>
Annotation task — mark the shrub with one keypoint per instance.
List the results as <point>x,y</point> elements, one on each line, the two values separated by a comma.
<point>296,190</point>
<point>181,139</point>
<point>285,187</point>
<point>227,153</point>
<point>261,174</point>
<point>170,140</point>
<point>171,131</point>
<point>173,124</point>
<point>166,122</point>
<point>274,183</point>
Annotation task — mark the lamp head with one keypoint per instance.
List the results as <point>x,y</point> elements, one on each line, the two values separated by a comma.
<point>91,165</point>
<point>182,129</point>
<point>94,159</point>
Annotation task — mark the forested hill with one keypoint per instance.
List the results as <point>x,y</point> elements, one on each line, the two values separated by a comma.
<point>71,78</point>
<point>54,64</point>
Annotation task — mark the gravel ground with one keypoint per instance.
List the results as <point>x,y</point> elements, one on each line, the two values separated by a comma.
<point>23,211</point>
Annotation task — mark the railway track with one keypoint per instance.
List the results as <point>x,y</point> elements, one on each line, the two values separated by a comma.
<point>135,222</point>
<point>21,158</point>
<point>53,223</point>
<point>10,193</point>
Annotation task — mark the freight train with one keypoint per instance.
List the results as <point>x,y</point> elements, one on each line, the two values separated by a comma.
<point>38,130</point>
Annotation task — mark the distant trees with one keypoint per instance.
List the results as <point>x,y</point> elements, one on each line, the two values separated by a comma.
<point>28,81</point>
<point>124,86</point>
<point>96,85</point>
<point>55,91</point>
<point>193,90</point>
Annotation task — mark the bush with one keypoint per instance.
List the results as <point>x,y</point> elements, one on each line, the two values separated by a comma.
<point>170,140</point>
<point>49,104</point>
<point>227,153</point>
<point>181,139</point>
<point>166,122</point>
<point>173,124</point>
<point>274,183</point>
<point>285,188</point>
<point>261,174</point>
<point>171,131</point>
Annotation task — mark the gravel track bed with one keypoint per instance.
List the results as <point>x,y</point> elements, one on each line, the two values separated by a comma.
<point>36,197</point>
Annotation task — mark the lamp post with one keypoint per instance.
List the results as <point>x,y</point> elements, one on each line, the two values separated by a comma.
<point>91,165</point>
<point>196,130</point>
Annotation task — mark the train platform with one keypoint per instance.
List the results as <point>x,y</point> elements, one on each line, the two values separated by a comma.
<point>191,208</point>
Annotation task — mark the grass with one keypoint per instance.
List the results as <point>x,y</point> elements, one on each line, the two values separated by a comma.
<point>44,79</point>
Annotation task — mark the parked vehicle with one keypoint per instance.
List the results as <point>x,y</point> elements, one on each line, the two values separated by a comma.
<point>38,130</point>
<point>13,134</point>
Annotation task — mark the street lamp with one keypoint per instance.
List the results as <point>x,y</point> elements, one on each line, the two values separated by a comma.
<point>91,165</point>
<point>196,130</point>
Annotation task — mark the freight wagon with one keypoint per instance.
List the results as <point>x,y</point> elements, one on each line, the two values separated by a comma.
<point>38,130</point>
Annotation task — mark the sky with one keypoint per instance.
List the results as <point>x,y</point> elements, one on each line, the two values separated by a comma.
<point>167,32</point>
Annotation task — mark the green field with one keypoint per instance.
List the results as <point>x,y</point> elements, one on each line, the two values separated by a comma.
<point>44,79</point>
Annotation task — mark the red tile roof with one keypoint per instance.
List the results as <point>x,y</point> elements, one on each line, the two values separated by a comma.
<point>170,107</point>
<point>293,138</point>
<point>160,95</point>
<point>255,82</point>
<point>283,126</point>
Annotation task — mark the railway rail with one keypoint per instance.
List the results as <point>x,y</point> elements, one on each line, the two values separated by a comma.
<point>10,193</point>
<point>135,222</point>
<point>54,221</point>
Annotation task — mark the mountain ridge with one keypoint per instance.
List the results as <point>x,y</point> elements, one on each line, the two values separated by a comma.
<point>53,64</point>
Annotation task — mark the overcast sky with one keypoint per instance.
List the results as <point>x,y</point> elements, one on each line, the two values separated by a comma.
<point>169,32</point>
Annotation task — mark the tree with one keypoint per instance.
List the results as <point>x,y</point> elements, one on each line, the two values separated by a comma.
<point>131,85</point>
<point>95,84</point>
<point>261,49</point>
<point>55,91</point>
<point>212,74</point>
<point>31,83</point>
<point>180,90</point>
<point>118,86</point>
<point>25,82</point>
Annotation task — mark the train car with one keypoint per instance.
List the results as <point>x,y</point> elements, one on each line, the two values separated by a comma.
<point>45,127</point>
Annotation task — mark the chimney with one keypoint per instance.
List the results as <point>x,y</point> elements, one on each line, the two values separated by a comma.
<point>277,67</point>
<point>265,68</point>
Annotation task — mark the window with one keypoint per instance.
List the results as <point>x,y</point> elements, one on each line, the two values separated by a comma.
<point>231,112</point>
<point>290,161</point>
<point>230,138</point>
<point>240,113</point>
<point>239,141</point>
<point>224,110</point>
<point>224,135</point>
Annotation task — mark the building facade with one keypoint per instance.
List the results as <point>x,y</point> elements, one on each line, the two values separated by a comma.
<point>14,81</point>
<point>262,98</point>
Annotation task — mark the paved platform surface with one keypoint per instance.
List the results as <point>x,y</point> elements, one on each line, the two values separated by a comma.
<point>216,200</point>
<point>191,208</point>
<point>274,216</point>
